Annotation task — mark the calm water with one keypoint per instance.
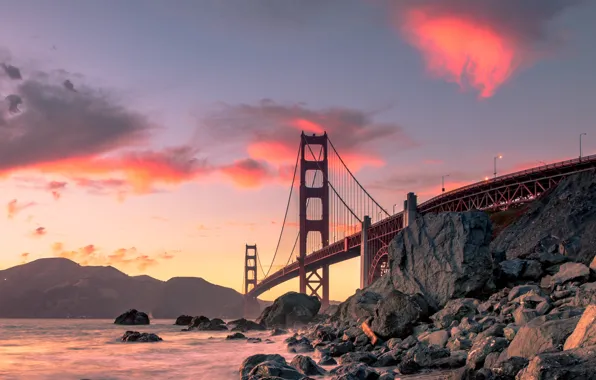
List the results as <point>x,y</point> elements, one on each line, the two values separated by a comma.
<point>91,349</point>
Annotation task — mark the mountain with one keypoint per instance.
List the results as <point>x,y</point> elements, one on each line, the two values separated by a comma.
<point>59,288</point>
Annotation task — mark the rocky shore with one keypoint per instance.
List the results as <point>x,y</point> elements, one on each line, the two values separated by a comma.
<point>460,302</point>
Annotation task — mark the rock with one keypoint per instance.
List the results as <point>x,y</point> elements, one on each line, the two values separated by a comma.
<point>325,333</point>
<point>585,332</point>
<point>270,370</point>
<point>301,345</point>
<point>408,367</point>
<point>437,338</point>
<point>307,366</point>
<point>455,310</point>
<point>521,315</point>
<point>424,355</point>
<point>254,340</point>
<point>510,331</point>
<point>361,306</point>
<point>277,331</point>
<point>482,348</point>
<point>496,330</point>
<point>457,359</point>
<point>204,324</point>
<point>132,317</point>
<point>327,360</point>
<point>585,295</point>
<point>252,361</point>
<point>235,336</point>
<point>358,357</point>
<point>523,289</point>
<point>355,371</point>
<point>532,270</point>
<point>509,368</point>
<point>393,343</point>
<point>396,314</point>
<point>570,272</point>
<point>244,325</point>
<point>387,359</point>
<point>578,364</point>
<point>541,334</point>
<point>289,309</point>
<point>459,343</point>
<point>135,336</point>
<point>443,256</point>
<point>338,349</point>
<point>562,220</point>
<point>183,320</point>
<point>511,269</point>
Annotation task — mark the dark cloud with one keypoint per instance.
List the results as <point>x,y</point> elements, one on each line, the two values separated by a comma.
<point>14,101</point>
<point>58,124</point>
<point>69,86</point>
<point>12,71</point>
<point>525,21</point>
<point>270,121</point>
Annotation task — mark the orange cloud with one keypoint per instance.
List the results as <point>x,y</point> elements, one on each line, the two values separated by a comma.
<point>248,173</point>
<point>123,257</point>
<point>308,126</point>
<point>13,208</point>
<point>56,188</point>
<point>462,50</point>
<point>24,257</point>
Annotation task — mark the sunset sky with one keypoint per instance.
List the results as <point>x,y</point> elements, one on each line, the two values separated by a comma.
<point>160,136</point>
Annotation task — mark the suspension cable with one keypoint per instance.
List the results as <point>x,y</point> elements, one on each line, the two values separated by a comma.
<point>354,178</point>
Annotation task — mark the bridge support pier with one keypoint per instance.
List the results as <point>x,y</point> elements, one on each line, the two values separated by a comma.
<point>410,209</point>
<point>365,256</point>
<point>250,267</point>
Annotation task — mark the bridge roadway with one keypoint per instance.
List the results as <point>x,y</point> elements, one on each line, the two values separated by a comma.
<point>503,191</point>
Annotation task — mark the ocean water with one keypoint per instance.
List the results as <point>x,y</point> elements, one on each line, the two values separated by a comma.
<point>91,349</point>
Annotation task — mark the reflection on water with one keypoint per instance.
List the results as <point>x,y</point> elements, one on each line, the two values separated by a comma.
<point>91,349</point>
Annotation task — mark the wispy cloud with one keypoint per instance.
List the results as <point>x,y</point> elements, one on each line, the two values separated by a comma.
<point>14,207</point>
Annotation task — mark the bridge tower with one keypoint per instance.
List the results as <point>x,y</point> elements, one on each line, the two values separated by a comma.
<point>314,282</point>
<point>250,267</point>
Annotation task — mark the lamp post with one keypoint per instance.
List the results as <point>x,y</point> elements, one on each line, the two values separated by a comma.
<point>443,182</point>
<point>499,157</point>
<point>394,208</point>
<point>580,144</point>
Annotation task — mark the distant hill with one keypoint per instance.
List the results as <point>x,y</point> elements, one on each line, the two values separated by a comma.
<point>59,288</point>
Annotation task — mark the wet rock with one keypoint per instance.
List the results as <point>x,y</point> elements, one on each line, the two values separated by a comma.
<point>235,336</point>
<point>132,317</point>
<point>442,257</point>
<point>289,309</point>
<point>252,361</point>
<point>298,346</point>
<point>455,310</point>
<point>277,331</point>
<point>578,364</point>
<point>202,323</point>
<point>274,370</point>
<point>355,371</point>
<point>387,359</point>
<point>482,348</point>
<point>396,314</point>
<point>307,366</point>
<point>244,325</point>
<point>183,320</point>
<point>585,332</point>
<point>358,357</point>
<point>541,334</point>
<point>327,360</point>
<point>254,340</point>
<point>408,367</point>
<point>424,355</point>
<point>135,336</point>
<point>338,349</point>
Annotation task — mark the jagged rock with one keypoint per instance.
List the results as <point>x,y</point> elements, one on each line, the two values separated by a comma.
<point>585,332</point>
<point>325,333</point>
<point>327,360</point>
<point>437,338</point>
<point>307,366</point>
<point>521,315</point>
<point>562,221</point>
<point>289,309</point>
<point>482,348</point>
<point>511,269</point>
<point>496,330</point>
<point>455,310</point>
<point>532,270</point>
<point>235,336</point>
<point>396,314</point>
<point>252,361</point>
<point>585,295</point>
<point>298,346</point>
<point>338,349</point>
<point>387,359</point>
<point>269,370</point>
<point>202,323</point>
<point>408,367</point>
<point>521,290</point>
<point>244,325</point>
<point>132,317</point>
<point>355,371</point>
<point>358,357</point>
<point>578,364</point>
<point>135,336</point>
<point>183,320</point>
<point>443,256</point>
<point>423,355</point>
<point>541,334</point>
<point>568,272</point>
<point>361,306</point>
<point>393,343</point>
<point>509,368</point>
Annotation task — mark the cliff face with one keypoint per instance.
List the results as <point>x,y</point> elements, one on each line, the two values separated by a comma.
<point>58,288</point>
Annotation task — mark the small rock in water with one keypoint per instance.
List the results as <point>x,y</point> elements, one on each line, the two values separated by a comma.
<point>132,317</point>
<point>278,331</point>
<point>135,336</point>
<point>236,336</point>
<point>254,340</point>
<point>183,320</point>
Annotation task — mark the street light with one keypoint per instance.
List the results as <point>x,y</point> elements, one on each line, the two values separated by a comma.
<point>443,182</point>
<point>394,208</point>
<point>499,157</point>
<point>580,145</point>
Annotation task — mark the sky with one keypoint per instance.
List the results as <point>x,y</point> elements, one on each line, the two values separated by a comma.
<point>160,136</point>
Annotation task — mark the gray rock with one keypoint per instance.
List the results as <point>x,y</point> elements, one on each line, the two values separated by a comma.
<point>327,360</point>
<point>274,369</point>
<point>523,315</point>
<point>510,331</point>
<point>541,334</point>
<point>532,270</point>
<point>338,349</point>
<point>585,295</point>
<point>496,330</point>
<point>511,269</point>
<point>443,256</point>
<point>387,359</point>
<point>455,310</point>
<point>459,343</point>
<point>522,290</point>
<point>135,336</point>
<point>358,357</point>
<point>578,364</point>
<point>252,361</point>
<point>355,371</point>
<point>183,320</point>
<point>423,355</point>
<point>361,306</point>
<point>396,314</point>
<point>563,220</point>
<point>509,368</point>
<point>457,359</point>
<point>570,272</point>
<point>235,336</point>
<point>307,366</point>
<point>289,309</point>
<point>244,325</point>
<point>132,317</point>
<point>482,348</point>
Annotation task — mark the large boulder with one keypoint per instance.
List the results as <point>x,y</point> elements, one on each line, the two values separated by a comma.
<point>563,221</point>
<point>585,332</point>
<point>443,256</point>
<point>132,317</point>
<point>289,309</point>
<point>542,334</point>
